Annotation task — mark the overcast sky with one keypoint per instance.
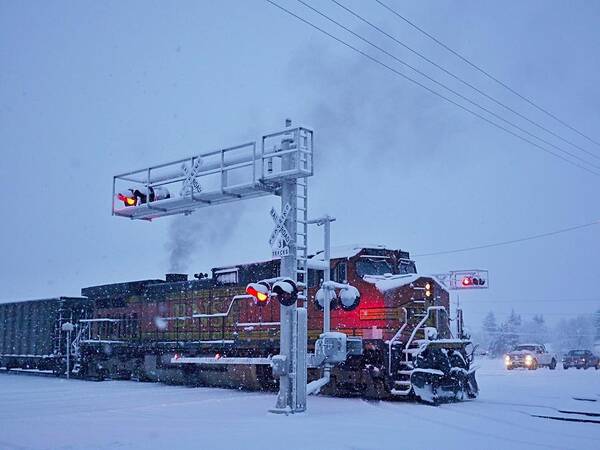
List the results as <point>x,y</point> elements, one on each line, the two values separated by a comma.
<point>91,89</point>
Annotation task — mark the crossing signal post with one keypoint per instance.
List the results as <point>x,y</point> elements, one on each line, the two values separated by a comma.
<point>278,164</point>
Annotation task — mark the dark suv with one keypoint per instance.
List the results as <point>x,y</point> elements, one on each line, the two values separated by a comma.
<point>581,358</point>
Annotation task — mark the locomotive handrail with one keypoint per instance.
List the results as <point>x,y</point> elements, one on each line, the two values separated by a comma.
<point>221,314</point>
<point>422,322</point>
<point>412,335</point>
<point>391,341</point>
<point>77,341</point>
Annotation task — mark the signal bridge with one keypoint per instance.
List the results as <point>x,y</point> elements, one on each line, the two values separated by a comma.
<point>240,172</point>
<point>279,164</point>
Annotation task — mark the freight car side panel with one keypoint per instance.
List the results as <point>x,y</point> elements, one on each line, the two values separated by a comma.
<point>25,328</point>
<point>30,328</point>
<point>3,328</point>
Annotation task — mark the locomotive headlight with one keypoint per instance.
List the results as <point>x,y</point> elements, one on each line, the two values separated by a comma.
<point>428,290</point>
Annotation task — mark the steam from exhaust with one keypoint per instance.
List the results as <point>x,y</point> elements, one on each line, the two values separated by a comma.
<point>201,233</point>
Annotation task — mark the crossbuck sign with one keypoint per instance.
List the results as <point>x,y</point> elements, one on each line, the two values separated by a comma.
<point>280,236</point>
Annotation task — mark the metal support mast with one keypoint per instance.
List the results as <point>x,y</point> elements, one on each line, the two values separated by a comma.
<point>293,328</point>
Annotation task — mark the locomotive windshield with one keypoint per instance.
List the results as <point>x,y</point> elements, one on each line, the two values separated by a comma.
<point>406,266</point>
<point>372,267</point>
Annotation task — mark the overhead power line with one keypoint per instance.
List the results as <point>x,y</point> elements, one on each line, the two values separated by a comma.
<point>501,301</point>
<point>512,241</point>
<point>395,71</point>
<point>463,81</point>
<point>442,85</point>
<point>487,74</point>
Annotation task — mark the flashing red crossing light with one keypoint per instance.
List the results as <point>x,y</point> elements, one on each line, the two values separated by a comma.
<point>284,290</point>
<point>260,291</point>
<point>128,201</point>
<point>472,281</point>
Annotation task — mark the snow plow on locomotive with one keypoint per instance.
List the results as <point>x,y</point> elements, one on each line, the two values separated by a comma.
<point>209,331</point>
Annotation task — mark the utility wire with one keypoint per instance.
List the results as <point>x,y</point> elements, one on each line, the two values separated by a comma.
<point>442,85</point>
<point>565,314</point>
<point>512,241</point>
<point>487,74</point>
<point>500,301</point>
<point>476,114</point>
<point>366,55</point>
<point>461,80</point>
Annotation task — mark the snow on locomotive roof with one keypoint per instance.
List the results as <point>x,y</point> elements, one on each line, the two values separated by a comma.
<point>348,251</point>
<point>388,282</point>
<point>47,299</point>
<point>385,283</point>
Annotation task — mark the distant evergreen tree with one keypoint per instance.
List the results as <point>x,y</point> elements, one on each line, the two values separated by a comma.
<point>514,320</point>
<point>535,330</point>
<point>490,330</point>
<point>513,329</point>
<point>507,335</point>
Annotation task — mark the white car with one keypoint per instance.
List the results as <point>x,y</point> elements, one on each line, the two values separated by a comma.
<point>530,356</point>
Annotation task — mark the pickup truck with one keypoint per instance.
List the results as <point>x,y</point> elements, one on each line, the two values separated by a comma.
<point>530,356</point>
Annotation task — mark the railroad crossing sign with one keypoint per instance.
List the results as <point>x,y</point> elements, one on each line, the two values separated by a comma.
<point>280,236</point>
<point>190,183</point>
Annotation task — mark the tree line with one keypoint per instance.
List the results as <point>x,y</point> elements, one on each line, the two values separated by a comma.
<point>500,336</point>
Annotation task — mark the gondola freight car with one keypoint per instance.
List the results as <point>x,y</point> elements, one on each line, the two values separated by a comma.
<point>30,332</point>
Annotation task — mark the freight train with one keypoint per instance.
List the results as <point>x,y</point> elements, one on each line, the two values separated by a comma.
<point>170,330</point>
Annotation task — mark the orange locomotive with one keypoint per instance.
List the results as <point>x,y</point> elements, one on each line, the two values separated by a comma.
<point>140,329</point>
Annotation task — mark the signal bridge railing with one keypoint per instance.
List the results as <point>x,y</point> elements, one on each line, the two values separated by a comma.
<point>214,177</point>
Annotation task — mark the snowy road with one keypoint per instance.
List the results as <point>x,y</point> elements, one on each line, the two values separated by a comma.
<point>56,414</point>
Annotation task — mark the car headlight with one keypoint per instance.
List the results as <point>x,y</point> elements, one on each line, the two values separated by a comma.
<point>528,359</point>
<point>506,359</point>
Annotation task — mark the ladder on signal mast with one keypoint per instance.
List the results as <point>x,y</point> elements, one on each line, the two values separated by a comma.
<point>301,237</point>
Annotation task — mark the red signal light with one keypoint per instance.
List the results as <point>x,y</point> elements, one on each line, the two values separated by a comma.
<point>467,281</point>
<point>128,201</point>
<point>260,291</point>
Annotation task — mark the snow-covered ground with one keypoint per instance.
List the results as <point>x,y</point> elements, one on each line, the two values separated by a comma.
<point>48,413</point>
